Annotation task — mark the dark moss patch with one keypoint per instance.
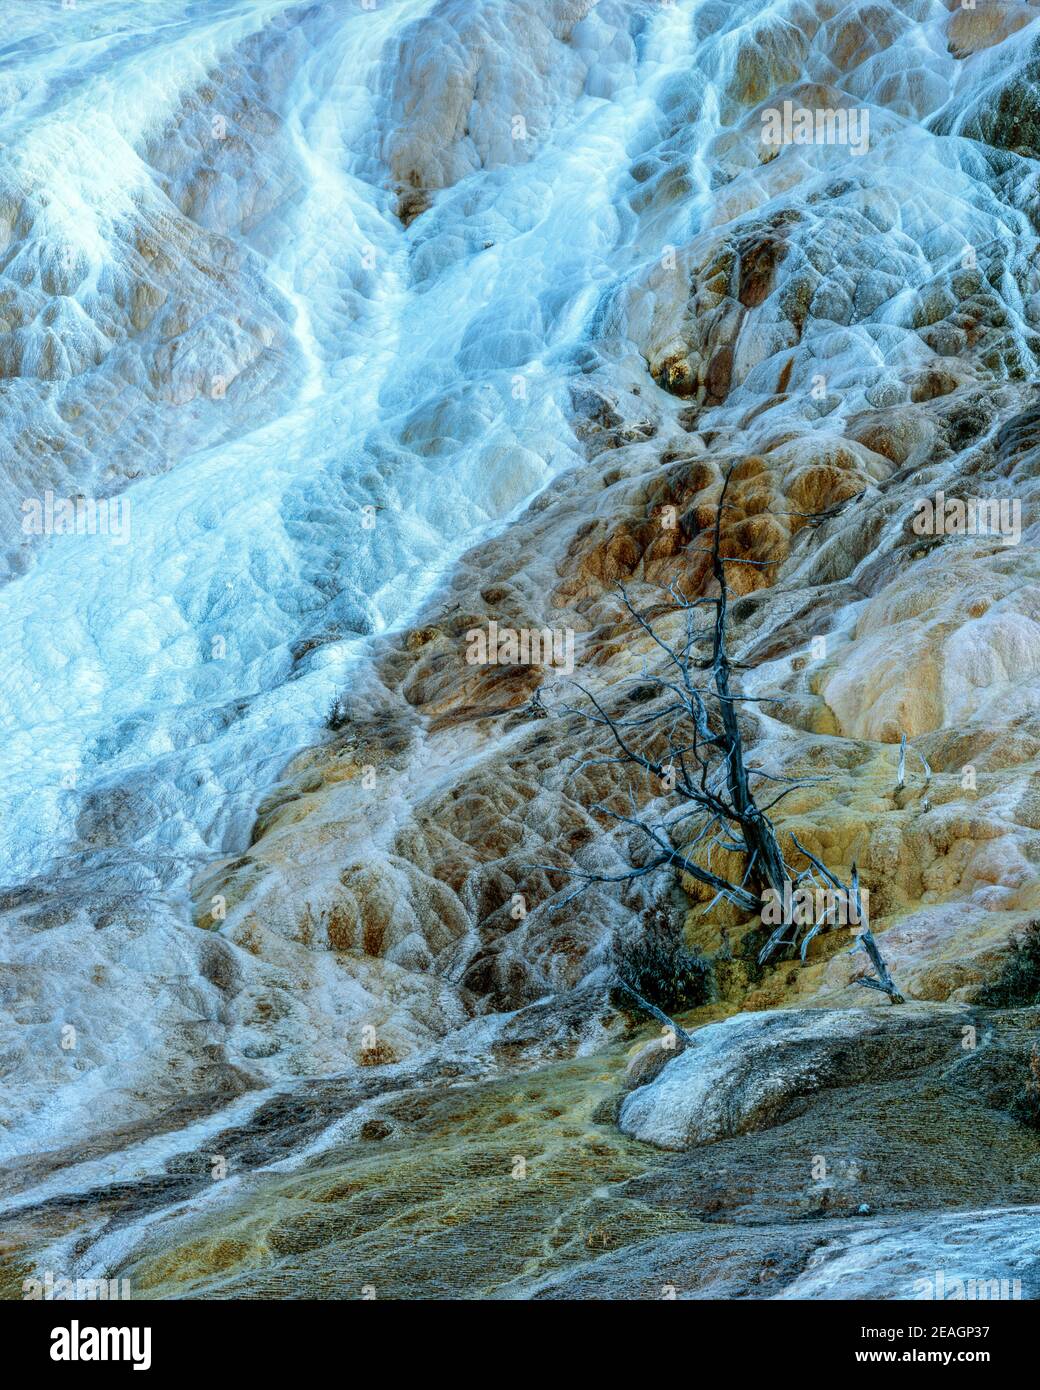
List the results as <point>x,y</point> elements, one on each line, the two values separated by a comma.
<point>1018,984</point>
<point>658,965</point>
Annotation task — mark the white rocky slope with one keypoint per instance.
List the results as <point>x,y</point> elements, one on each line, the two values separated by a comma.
<point>391,322</point>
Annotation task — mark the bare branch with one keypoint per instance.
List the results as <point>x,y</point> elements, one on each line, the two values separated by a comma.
<point>865,942</point>
<point>697,758</point>
<point>652,1009</point>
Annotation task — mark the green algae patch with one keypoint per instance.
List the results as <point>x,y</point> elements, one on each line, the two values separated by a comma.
<point>473,1186</point>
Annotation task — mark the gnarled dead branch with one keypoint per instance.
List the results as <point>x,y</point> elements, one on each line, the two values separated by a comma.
<point>692,747</point>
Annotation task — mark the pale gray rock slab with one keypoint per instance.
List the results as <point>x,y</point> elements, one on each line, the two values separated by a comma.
<point>745,1073</point>
<point>963,1256</point>
<point>991,1255</point>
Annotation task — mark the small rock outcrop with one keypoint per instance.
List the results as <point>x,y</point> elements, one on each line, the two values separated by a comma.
<point>746,1074</point>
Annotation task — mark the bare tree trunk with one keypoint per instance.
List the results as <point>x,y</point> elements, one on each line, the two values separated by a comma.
<point>711,779</point>
<point>654,1011</point>
<point>766,856</point>
<point>884,982</point>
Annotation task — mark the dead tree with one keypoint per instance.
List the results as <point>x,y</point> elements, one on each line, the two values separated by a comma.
<point>693,749</point>
<point>884,983</point>
<point>678,1030</point>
